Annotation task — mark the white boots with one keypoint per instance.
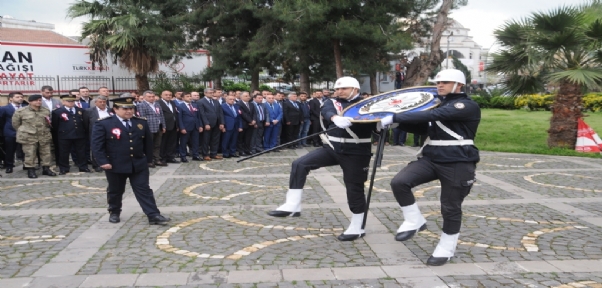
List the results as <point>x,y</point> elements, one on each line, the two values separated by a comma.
<point>355,230</point>
<point>412,223</point>
<point>292,206</point>
<point>445,249</point>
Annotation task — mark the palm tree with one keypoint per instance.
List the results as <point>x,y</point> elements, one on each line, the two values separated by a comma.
<point>559,47</point>
<point>137,34</point>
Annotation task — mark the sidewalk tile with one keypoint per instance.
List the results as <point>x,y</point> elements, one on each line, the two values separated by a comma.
<point>308,274</point>
<point>577,265</point>
<point>408,271</point>
<point>254,276</point>
<point>350,273</point>
<point>59,269</point>
<point>62,282</point>
<point>14,282</point>
<point>110,280</point>
<point>497,268</point>
<point>207,278</point>
<point>162,279</point>
<point>421,282</point>
<point>457,269</point>
<point>538,266</point>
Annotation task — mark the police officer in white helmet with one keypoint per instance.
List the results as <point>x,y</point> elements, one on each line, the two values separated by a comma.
<point>348,146</point>
<point>449,154</point>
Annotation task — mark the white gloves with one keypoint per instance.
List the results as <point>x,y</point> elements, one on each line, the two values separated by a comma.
<point>386,122</point>
<point>342,122</point>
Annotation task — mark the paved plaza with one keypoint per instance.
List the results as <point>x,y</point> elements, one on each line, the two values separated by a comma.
<point>530,221</point>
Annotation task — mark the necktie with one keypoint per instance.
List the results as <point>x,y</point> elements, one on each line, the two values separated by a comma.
<point>233,111</point>
<point>295,105</point>
<point>18,106</point>
<point>127,124</point>
<point>79,104</point>
<point>260,112</point>
<point>272,106</point>
<point>190,107</point>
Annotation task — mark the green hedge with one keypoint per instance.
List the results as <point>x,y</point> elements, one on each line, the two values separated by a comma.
<point>591,102</point>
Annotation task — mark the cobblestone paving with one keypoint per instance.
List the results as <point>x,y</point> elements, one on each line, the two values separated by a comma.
<point>246,191</point>
<point>592,207</point>
<point>261,166</point>
<point>217,239</point>
<point>28,242</point>
<point>496,233</point>
<point>53,194</point>
<point>432,191</point>
<point>573,184</point>
<point>525,280</point>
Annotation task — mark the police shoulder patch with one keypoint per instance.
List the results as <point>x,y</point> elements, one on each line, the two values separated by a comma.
<point>142,118</point>
<point>459,105</point>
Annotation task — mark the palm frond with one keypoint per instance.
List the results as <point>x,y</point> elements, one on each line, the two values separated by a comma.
<point>589,77</point>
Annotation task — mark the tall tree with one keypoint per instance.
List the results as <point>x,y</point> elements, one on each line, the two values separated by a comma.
<point>138,34</point>
<point>562,46</point>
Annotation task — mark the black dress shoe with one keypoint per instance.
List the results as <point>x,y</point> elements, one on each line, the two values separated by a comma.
<point>63,172</point>
<point>350,237</point>
<point>85,170</point>
<point>31,173</point>
<point>98,169</point>
<point>235,155</point>
<point>196,159</point>
<point>172,161</point>
<point>46,171</point>
<point>114,218</point>
<point>9,170</point>
<point>151,165</point>
<point>227,156</point>
<point>159,163</point>
<point>405,235</point>
<point>184,160</point>
<point>437,261</point>
<point>277,213</point>
<point>158,220</point>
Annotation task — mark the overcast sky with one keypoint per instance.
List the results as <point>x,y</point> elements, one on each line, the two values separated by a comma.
<point>480,16</point>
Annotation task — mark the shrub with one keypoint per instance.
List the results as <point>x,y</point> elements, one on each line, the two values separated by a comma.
<point>502,102</point>
<point>592,102</point>
<point>266,87</point>
<point>482,101</point>
<point>534,102</point>
<point>229,85</point>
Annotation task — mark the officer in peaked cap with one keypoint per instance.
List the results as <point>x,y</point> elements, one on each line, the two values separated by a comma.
<point>69,129</point>
<point>122,145</point>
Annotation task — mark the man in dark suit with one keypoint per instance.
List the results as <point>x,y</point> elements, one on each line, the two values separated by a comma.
<point>272,126</point>
<point>169,140</point>
<point>315,105</point>
<point>261,118</point>
<point>11,146</point>
<point>233,125</point>
<point>151,110</point>
<point>292,119</point>
<point>248,123</point>
<point>305,120</point>
<point>213,118</point>
<point>91,115</point>
<point>84,97</point>
<point>191,125</point>
<point>70,131</point>
<point>123,146</point>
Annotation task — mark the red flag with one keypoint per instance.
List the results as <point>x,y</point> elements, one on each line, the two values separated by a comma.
<point>587,139</point>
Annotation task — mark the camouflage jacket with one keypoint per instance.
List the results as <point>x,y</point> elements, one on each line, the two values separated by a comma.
<point>32,126</point>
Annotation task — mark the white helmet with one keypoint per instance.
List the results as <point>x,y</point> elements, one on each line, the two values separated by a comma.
<point>347,82</point>
<point>452,75</point>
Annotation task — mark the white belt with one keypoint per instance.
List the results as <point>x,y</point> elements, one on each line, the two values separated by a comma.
<point>450,142</point>
<point>349,140</point>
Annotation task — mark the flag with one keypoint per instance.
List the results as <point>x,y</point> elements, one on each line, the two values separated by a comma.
<point>587,139</point>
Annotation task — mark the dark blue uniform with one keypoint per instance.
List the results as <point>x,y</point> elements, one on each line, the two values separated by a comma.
<point>69,129</point>
<point>128,151</point>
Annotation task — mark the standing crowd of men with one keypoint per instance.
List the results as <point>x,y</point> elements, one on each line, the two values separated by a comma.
<point>182,124</point>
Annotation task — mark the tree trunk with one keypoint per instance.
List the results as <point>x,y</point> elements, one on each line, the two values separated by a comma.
<point>422,73</point>
<point>566,110</point>
<point>218,83</point>
<point>373,86</point>
<point>142,82</point>
<point>254,80</point>
<point>304,82</point>
<point>336,43</point>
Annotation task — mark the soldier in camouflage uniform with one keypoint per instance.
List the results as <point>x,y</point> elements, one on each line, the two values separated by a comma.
<point>33,132</point>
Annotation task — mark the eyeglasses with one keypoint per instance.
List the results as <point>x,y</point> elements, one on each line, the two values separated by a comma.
<point>443,82</point>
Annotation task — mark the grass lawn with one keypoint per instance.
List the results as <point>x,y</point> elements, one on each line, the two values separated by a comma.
<point>524,132</point>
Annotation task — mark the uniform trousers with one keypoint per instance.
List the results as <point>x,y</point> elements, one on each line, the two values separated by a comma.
<point>65,147</point>
<point>169,141</point>
<point>140,187</point>
<point>456,181</point>
<point>34,151</point>
<point>355,173</point>
<point>211,141</point>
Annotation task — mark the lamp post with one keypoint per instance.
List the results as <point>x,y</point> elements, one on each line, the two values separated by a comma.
<point>449,38</point>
